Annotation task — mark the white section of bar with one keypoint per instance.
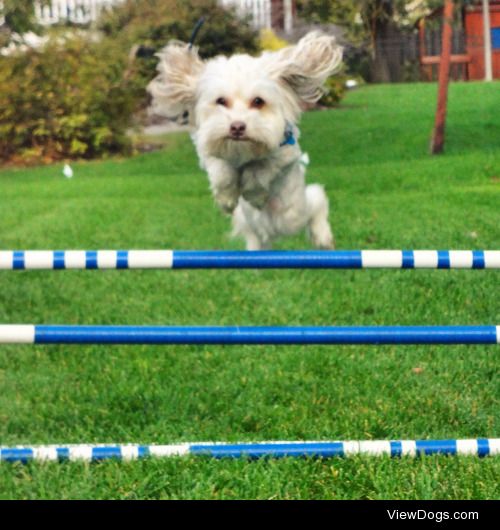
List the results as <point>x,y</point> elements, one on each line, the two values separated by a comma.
<point>6,260</point>
<point>461,259</point>
<point>498,334</point>
<point>382,258</point>
<point>351,448</point>
<point>169,450</point>
<point>425,259</point>
<point>129,452</point>
<point>17,334</point>
<point>408,447</point>
<point>80,452</point>
<point>106,259</point>
<point>44,453</point>
<point>39,259</point>
<point>494,444</point>
<point>492,259</point>
<point>150,259</point>
<point>467,447</point>
<point>75,259</point>
<point>375,447</point>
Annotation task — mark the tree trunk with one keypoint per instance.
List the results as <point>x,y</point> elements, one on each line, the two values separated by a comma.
<point>386,67</point>
<point>378,17</point>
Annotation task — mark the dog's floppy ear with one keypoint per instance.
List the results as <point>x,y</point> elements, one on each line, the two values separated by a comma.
<point>174,88</point>
<point>305,67</point>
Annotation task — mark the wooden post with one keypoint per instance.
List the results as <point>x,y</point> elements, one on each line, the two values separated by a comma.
<point>488,67</point>
<point>437,144</point>
<point>422,50</point>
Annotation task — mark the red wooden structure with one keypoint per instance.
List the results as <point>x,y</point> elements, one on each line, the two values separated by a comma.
<point>475,40</point>
<point>469,62</point>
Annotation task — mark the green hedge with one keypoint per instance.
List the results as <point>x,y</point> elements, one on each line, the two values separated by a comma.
<point>67,100</point>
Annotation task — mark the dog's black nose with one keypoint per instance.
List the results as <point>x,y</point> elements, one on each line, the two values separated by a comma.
<point>238,129</point>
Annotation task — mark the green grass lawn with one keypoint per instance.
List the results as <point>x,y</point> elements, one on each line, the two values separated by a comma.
<point>385,192</point>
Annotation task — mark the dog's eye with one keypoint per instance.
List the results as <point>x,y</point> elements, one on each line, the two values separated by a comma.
<point>257,103</point>
<point>221,101</point>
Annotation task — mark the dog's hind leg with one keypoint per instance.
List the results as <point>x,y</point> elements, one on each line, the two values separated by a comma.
<point>253,242</point>
<point>318,225</point>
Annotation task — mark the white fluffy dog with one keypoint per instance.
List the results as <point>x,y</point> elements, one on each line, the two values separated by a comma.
<point>244,111</point>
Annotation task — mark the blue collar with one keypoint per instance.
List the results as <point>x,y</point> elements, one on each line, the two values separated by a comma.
<point>289,138</point>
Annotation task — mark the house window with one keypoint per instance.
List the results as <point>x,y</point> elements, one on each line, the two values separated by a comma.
<point>495,38</point>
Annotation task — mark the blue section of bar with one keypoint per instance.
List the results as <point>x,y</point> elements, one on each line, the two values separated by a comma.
<point>59,261</point>
<point>91,259</point>
<point>483,447</point>
<point>18,260</point>
<point>16,455</point>
<point>265,335</point>
<point>478,259</point>
<point>271,450</point>
<point>443,259</point>
<point>432,447</point>
<point>396,449</point>
<point>408,259</point>
<point>63,453</point>
<point>122,259</point>
<point>102,453</point>
<point>315,259</point>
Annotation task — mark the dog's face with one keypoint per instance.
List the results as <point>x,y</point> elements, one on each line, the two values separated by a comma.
<point>240,106</point>
<point>240,112</point>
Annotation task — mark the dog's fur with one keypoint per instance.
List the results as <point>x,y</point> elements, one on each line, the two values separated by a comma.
<point>242,109</point>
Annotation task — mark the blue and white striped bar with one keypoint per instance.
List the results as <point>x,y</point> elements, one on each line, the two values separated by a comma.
<point>231,335</point>
<point>219,259</point>
<point>321,449</point>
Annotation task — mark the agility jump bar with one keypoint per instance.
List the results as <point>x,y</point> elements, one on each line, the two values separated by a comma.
<point>217,259</point>
<point>323,449</point>
<point>231,335</point>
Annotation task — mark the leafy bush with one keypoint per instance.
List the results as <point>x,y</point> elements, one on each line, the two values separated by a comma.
<point>67,100</point>
<point>335,89</point>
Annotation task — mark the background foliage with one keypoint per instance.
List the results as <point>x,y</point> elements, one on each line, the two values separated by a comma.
<point>68,100</point>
